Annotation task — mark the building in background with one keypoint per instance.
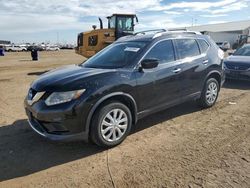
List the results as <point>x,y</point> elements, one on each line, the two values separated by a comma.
<point>4,42</point>
<point>232,32</point>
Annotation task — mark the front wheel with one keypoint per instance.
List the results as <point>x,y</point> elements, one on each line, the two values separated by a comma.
<point>111,124</point>
<point>210,93</point>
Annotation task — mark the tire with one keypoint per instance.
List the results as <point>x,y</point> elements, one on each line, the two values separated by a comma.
<point>209,93</point>
<point>104,132</point>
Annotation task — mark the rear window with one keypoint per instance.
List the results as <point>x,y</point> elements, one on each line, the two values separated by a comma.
<point>203,45</point>
<point>187,48</point>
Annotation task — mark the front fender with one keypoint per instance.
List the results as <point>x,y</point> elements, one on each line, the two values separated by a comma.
<point>107,97</point>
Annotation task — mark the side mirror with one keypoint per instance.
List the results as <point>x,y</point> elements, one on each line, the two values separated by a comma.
<point>149,63</point>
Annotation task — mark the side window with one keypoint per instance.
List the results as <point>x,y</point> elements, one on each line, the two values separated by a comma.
<point>203,45</point>
<point>163,51</point>
<point>187,48</point>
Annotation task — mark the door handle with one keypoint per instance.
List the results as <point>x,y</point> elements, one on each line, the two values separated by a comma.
<point>205,62</point>
<point>177,70</point>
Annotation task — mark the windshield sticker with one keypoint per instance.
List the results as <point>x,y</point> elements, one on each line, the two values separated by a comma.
<point>131,49</point>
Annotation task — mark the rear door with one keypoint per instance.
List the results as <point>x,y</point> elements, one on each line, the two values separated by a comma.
<point>160,86</point>
<point>194,64</point>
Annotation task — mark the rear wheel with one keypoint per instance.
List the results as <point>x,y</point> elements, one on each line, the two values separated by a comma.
<point>210,93</point>
<point>111,124</point>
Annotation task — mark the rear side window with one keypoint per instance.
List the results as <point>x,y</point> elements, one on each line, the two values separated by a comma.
<point>163,51</point>
<point>203,45</point>
<point>187,48</point>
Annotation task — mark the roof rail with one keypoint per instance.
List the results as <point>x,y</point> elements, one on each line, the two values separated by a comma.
<point>149,31</point>
<point>185,31</point>
<point>158,34</point>
<point>180,29</point>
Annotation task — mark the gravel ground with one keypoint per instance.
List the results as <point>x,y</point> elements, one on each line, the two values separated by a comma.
<point>184,146</point>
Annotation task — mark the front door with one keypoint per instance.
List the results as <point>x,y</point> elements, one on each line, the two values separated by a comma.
<point>159,87</point>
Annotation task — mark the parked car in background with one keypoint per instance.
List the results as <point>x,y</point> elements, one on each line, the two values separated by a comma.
<point>52,48</point>
<point>237,66</point>
<point>15,48</point>
<point>224,45</point>
<point>103,98</point>
<point>67,47</point>
<point>38,48</point>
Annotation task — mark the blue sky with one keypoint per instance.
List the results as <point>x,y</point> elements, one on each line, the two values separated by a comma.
<point>52,20</point>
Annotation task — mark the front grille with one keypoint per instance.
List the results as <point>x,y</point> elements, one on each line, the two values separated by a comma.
<point>237,66</point>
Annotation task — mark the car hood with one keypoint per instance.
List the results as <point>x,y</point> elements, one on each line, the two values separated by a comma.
<point>67,78</point>
<point>240,59</point>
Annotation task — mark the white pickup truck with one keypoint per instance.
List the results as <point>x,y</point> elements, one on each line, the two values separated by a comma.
<point>14,48</point>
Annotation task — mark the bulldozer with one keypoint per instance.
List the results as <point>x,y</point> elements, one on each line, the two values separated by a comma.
<point>91,42</point>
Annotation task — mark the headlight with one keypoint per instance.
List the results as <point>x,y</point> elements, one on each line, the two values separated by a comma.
<point>62,97</point>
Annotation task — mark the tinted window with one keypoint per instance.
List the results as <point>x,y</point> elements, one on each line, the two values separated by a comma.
<point>115,55</point>
<point>163,51</point>
<point>187,48</point>
<point>203,45</point>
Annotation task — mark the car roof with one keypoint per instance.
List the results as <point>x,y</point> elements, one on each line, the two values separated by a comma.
<point>160,35</point>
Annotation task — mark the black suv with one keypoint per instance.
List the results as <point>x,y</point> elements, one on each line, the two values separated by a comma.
<point>103,98</point>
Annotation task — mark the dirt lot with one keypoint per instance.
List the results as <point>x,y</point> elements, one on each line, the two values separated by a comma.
<point>184,146</point>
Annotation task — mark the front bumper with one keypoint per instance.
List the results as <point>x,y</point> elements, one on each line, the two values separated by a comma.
<point>41,131</point>
<point>238,74</point>
<point>60,122</point>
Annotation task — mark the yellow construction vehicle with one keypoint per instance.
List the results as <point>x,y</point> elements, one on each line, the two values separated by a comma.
<point>91,42</point>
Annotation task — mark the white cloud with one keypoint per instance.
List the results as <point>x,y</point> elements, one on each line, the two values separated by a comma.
<point>36,23</point>
<point>173,12</point>
<point>159,22</point>
<point>219,7</point>
<point>216,22</point>
<point>213,15</point>
<point>33,16</point>
<point>197,6</point>
<point>232,7</point>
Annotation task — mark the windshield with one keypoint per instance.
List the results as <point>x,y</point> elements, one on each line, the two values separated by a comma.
<point>243,51</point>
<point>115,56</point>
